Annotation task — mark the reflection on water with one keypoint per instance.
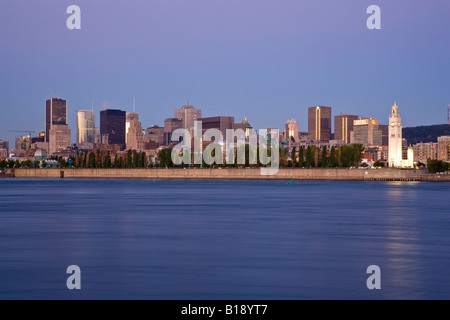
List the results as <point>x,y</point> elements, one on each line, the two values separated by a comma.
<point>223,239</point>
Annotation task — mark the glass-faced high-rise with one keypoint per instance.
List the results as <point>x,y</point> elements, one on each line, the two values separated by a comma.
<point>112,127</point>
<point>85,126</point>
<point>319,123</point>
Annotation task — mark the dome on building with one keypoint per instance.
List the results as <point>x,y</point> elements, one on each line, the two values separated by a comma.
<point>40,155</point>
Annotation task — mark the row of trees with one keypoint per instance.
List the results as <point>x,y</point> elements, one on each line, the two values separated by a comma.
<point>314,157</point>
<point>104,160</point>
<point>17,164</point>
<point>61,163</point>
<point>310,157</point>
<point>435,166</point>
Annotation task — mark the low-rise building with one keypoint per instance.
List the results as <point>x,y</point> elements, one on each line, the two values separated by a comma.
<point>425,151</point>
<point>443,152</point>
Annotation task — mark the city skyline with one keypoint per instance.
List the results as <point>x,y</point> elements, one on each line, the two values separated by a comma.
<point>268,72</point>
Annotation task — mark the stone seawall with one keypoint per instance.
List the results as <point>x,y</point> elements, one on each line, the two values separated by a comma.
<point>236,174</point>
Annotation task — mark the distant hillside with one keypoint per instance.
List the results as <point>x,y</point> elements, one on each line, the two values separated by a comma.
<point>426,133</point>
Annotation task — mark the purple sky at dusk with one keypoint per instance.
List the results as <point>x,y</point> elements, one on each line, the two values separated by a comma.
<point>266,60</point>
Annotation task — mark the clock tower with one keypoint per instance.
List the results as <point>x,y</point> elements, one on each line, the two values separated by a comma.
<point>395,138</point>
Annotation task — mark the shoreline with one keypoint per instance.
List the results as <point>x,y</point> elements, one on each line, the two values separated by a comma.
<point>385,174</point>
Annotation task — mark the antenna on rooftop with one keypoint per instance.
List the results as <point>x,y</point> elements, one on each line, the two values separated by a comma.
<point>134,104</point>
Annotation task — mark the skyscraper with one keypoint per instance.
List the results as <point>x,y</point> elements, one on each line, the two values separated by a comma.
<point>291,131</point>
<point>85,126</point>
<point>319,123</point>
<point>395,138</point>
<point>188,114</point>
<point>134,133</point>
<point>112,127</point>
<point>56,113</point>
<point>366,132</point>
<point>57,132</point>
<point>343,125</point>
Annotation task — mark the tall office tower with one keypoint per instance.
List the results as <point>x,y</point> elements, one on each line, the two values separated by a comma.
<point>384,134</point>
<point>57,132</point>
<point>112,127</point>
<point>85,126</point>
<point>366,132</point>
<point>343,125</point>
<point>134,132</point>
<point>59,138</point>
<point>291,131</point>
<point>188,114</point>
<point>170,125</point>
<point>23,143</point>
<point>319,123</point>
<point>56,114</point>
<point>395,138</point>
<point>444,148</point>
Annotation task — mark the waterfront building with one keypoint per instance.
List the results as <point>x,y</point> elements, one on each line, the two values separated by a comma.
<point>112,127</point>
<point>188,115</point>
<point>425,151</point>
<point>444,148</point>
<point>343,126</point>
<point>319,123</point>
<point>395,138</point>
<point>366,132</point>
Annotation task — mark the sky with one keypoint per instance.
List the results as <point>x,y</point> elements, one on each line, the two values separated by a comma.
<point>267,60</point>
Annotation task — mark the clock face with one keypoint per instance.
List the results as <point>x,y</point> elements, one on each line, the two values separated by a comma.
<point>393,124</point>
<point>399,124</point>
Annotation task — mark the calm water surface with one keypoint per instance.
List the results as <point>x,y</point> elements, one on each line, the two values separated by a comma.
<point>140,239</point>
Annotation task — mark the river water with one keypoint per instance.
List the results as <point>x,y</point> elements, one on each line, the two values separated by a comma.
<point>144,239</point>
